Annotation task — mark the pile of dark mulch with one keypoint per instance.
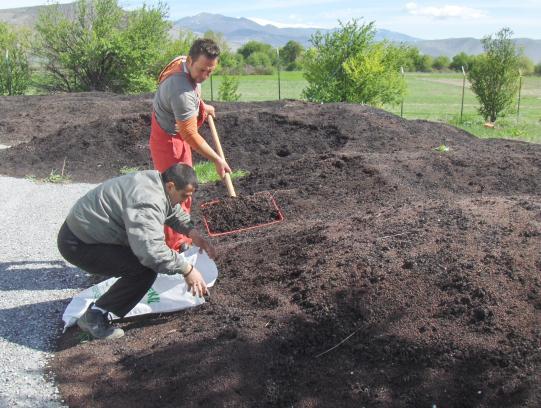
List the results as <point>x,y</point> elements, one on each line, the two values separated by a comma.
<point>236,214</point>
<point>401,276</point>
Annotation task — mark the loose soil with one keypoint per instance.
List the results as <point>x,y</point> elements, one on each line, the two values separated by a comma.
<point>236,214</point>
<point>400,277</point>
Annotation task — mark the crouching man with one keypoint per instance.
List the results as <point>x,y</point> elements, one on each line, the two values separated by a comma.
<point>117,229</point>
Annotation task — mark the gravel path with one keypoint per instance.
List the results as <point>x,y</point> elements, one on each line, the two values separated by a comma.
<point>35,287</point>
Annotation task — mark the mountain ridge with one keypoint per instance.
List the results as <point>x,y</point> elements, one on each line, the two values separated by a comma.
<point>239,30</point>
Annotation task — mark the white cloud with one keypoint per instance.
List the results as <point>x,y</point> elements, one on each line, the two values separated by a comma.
<point>446,11</point>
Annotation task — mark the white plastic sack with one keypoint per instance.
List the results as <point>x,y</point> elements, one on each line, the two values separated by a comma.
<point>169,293</point>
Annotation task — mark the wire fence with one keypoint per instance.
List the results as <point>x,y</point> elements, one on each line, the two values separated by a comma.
<point>443,96</point>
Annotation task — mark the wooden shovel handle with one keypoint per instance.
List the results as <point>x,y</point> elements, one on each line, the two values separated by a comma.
<point>227,177</point>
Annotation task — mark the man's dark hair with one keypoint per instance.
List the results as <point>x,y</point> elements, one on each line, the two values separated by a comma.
<point>181,175</point>
<point>206,47</point>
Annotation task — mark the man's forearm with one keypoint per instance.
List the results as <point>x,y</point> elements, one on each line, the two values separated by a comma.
<point>206,151</point>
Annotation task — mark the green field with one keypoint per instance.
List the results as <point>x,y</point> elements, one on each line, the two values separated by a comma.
<point>432,96</point>
<point>261,87</point>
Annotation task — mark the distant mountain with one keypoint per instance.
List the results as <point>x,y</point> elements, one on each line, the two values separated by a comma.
<point>238,31</point>
<point>393,36</point>
<point>27,16</point>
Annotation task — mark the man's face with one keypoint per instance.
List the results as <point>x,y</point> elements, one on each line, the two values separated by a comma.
<point>178,196</point>
<point>201,68</point>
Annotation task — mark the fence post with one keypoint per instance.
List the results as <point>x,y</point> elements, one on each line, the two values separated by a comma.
<point>519,92</point>
<point>402,103</point>
<point>463,88</point>
<point>211,90</point>
<point>278,62</point>
<point>8,68</point>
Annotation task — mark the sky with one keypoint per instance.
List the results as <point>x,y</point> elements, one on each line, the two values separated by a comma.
<point>425,19</point>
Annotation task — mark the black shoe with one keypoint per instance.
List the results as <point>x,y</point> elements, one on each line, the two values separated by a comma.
<point>98,325</point>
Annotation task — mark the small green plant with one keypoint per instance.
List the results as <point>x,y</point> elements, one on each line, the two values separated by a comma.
<point>206,173</point>
<point>229,89</point>
<point>442,148</point>
<point>127,170</point>
<point>31,177</point>
<point>517,131</point>
<point>57,178</point>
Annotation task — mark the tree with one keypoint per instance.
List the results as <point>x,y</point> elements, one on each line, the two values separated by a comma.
<point>494,75</point>
<point>423,63</point>
<point>141,43</point>
<point>346,65</point>
<point>440,63</point>
<point>103,48</point>
<point>219,39</point>
<point>291,54</point>
<point>172,49</point>
<point>537,69</point>
<point>228,90</point>
<point>230,63</point>
<point>14,67</point>
<point>526,65</point>
<point>260,61</point>
<point>414,61</point>
<point>461,60</point>
<point>255,46</point>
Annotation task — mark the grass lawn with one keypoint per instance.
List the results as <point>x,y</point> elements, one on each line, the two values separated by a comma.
<point>261,87</point>
<point>437,97</point>
<point>431,96</point>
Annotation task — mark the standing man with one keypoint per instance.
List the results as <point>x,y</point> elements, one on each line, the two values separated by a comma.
<point>117,229</point>
<point>178,112</point>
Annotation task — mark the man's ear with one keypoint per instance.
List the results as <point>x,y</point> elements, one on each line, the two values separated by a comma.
<point>170,185</point>
<point>189,60</point>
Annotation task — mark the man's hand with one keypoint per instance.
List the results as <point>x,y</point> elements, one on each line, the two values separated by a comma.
<point>221,167</point>
<point>202,243</point>
<point>209,110</point>
<point>195,283</point>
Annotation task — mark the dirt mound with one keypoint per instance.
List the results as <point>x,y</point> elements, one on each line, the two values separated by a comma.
<point>401,276</point>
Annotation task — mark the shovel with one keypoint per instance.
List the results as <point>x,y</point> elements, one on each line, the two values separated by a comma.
<point>216,139</point>
<point>237,214</point>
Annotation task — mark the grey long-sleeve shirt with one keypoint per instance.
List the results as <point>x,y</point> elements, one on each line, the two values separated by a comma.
<point>131,210</point>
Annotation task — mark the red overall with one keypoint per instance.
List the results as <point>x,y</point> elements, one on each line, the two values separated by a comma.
<point>167,149</point>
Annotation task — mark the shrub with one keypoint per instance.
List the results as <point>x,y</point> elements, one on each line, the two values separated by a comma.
<point>346,65</point>
<point>14,67</point>
<point>103,48</point>
<point>228,90</point>
<point>494,75</point>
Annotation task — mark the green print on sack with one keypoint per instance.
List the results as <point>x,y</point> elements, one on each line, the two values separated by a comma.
<point>152,296</point>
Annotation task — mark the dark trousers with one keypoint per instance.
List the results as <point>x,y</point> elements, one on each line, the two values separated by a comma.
<point>109,260</point>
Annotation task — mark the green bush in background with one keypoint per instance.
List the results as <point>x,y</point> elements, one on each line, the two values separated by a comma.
<point>228,90</point>
<point>14,67</point>
<point>103,48</point>
<point>494,75</point>
<point>346,65</point>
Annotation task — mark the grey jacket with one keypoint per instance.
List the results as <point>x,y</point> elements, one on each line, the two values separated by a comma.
<point>131,210</point>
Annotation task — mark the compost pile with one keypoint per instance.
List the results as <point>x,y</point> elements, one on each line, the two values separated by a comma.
<point>402,276</point>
